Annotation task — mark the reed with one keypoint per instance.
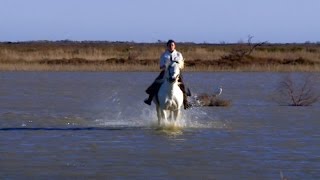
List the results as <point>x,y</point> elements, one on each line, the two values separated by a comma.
<point>82,67</point>
<point>116,56</point>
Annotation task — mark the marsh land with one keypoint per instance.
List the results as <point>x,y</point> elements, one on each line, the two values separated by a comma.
<point>130,56</point>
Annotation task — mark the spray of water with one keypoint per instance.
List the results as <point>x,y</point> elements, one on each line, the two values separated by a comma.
<point>147,118</point>
<point>141,116</point>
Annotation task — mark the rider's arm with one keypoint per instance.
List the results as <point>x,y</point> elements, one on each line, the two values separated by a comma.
<point>163,62</point>
<point>180,59</point>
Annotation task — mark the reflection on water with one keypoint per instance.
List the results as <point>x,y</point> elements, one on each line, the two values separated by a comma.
<point>95,125</point>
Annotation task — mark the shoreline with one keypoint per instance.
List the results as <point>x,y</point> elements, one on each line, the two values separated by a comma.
<point>141,68</point>
<point>144,57</point>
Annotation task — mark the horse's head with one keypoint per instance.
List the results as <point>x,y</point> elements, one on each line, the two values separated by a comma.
<point>173,72</point>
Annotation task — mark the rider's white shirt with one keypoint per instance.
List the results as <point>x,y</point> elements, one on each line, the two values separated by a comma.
<point>176,56</point>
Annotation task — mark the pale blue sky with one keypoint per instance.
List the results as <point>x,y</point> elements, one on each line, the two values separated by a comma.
<point>149,20</point>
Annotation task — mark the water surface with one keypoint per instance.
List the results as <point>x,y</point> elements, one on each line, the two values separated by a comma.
<point>95,125</point>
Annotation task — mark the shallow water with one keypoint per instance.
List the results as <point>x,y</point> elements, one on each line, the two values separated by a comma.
<point>95,125</point>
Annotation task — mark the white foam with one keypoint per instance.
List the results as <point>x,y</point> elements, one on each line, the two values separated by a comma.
<point>147,118</point>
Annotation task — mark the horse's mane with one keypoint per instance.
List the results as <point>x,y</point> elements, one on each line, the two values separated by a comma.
<point>170,96</point>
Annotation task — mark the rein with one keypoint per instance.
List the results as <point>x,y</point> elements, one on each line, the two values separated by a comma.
<point>176,80</point>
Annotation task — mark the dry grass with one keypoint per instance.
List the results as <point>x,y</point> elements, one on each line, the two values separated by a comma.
<point>70,67</point>
<point>73,56</point>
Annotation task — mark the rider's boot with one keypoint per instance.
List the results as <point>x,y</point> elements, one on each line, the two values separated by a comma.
<point>186,104</point>
<point>154,88</point>
<point>149,99</point>
<point>152,91</point>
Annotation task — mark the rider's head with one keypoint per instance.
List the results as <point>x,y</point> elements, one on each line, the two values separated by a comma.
<point>171,45</point>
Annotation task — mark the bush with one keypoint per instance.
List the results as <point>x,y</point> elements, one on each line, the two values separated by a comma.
<point>210,100</point>
<point>296,93</point>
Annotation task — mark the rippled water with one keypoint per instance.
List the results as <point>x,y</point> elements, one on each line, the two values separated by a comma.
<point>95,125</point>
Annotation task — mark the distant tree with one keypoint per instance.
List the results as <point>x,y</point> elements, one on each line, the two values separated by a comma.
<point>243,49</point>
<point>296,93</point>
<point>160,41</point>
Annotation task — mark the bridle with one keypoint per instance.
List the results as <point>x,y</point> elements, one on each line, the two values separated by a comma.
<point>171,72</point>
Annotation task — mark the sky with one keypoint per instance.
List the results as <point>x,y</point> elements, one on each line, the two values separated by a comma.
<point>210,21</point>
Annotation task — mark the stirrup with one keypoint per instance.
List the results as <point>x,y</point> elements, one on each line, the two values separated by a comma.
<point>187,105</point>
<point>147,101</point>
<point>188,92</point>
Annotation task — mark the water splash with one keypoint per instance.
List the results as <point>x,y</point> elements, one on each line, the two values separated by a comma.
<point>170,129</point>
<point>147,118</point>
<point>117,114</point>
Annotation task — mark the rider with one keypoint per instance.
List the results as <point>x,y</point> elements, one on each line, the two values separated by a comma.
<point>171,54</point>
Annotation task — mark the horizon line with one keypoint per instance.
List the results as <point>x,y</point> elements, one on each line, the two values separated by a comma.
<point>156,42</point>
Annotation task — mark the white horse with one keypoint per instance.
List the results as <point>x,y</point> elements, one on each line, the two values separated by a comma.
<point>170,96</point>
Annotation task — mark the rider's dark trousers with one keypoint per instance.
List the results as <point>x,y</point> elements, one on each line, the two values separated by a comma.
<point>155,86</point>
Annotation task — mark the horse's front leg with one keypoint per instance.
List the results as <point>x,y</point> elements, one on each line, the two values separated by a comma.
<point>171,116</point>
<point>164,116</point>
<point>158,114</point>
<point>177,116</point>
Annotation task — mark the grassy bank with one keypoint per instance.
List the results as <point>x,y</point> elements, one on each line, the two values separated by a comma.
<point>117,56</point>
